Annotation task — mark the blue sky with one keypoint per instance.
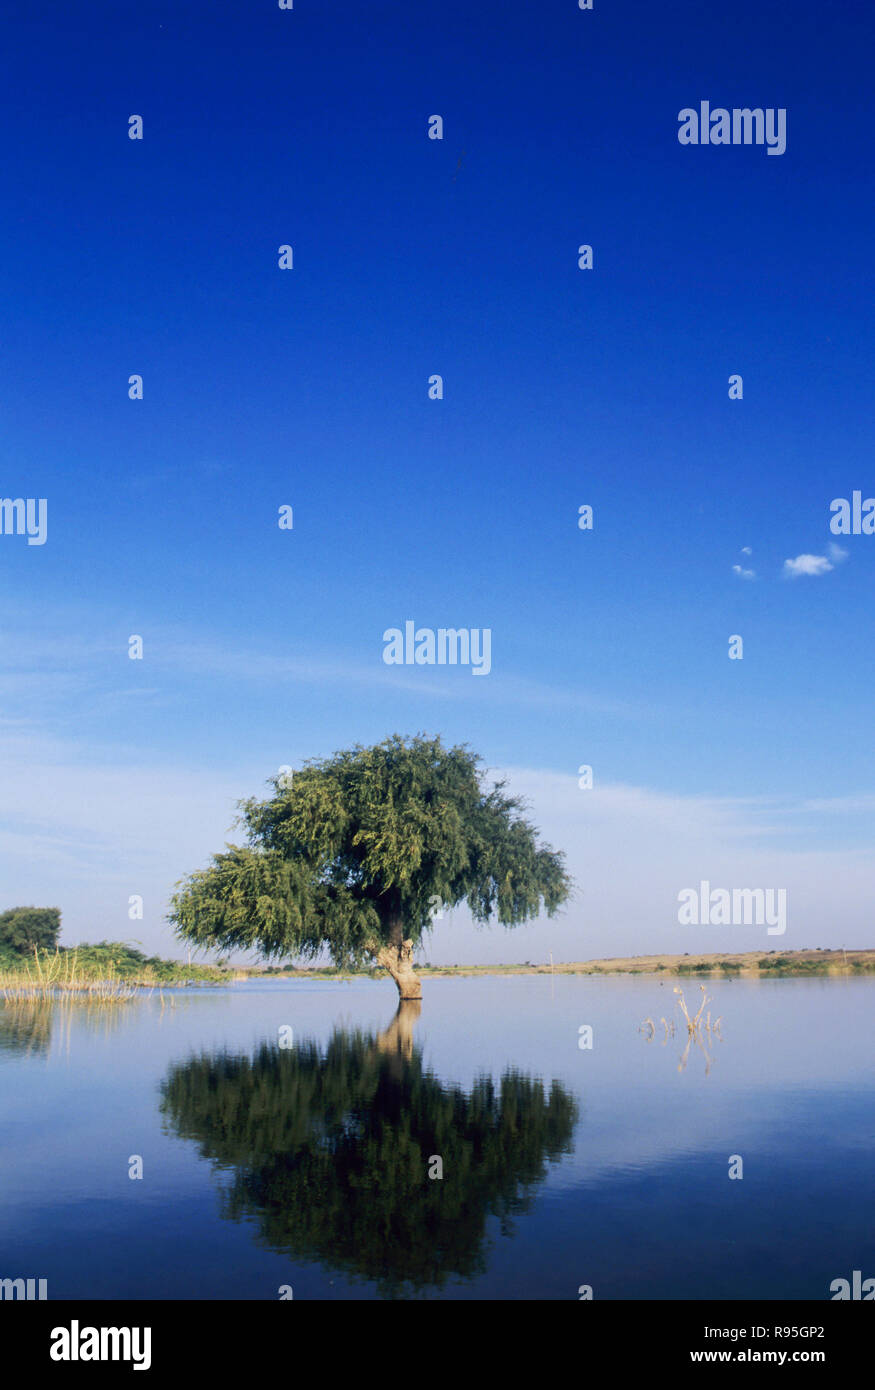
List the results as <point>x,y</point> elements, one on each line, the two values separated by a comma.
<point>562,387</point>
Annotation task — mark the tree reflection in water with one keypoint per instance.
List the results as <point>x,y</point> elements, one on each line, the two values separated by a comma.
<point>331,1152</point>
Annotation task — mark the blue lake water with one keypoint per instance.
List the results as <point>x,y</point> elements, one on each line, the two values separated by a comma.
<point>311,1167</point>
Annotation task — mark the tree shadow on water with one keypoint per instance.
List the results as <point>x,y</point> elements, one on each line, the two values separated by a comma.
<point>333,1153</point>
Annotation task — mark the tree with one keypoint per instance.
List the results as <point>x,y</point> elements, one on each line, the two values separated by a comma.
<point>24,929</point>
<point>356,853</point>
<point>331,1154</point>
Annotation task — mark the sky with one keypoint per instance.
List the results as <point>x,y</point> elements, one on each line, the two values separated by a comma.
<point>562,387</point>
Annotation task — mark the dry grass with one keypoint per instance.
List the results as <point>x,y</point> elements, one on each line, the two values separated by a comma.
<point>700,1031</point>
<point>746,964</point>
<point>751,965</point>
<point>60,977</point>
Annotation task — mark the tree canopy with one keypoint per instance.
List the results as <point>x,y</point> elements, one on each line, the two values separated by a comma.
<point>22,929</point>
<point>355,854</point>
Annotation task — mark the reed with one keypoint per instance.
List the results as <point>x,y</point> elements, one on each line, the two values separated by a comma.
<point>693,1024</point>
<point>699,1031</point>
<point>60,977</point>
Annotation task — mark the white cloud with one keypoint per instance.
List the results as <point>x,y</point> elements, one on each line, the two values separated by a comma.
<point>746,550</point>
<point>743,573</point>
<point>806,564</point>
<point>836,553</point>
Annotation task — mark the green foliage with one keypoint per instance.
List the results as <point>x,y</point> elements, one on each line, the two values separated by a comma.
<point>811,965</point>
<point>107,960</point>
<point>329,1152</point>
<point>356,852</point>
<point>24,928</point>
<point>118,959</point>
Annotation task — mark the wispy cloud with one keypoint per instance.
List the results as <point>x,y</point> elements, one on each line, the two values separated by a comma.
<point>631,849</point>
<point>52,671</point>
<point>740,570</point>
<point>84,831</point>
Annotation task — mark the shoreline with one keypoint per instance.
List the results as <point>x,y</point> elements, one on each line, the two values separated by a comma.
<point>747,964</point>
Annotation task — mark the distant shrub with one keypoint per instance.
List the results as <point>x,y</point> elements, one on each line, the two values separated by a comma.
<point>25,929</point>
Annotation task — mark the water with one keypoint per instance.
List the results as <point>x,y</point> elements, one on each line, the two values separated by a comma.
<point>308,1167</point>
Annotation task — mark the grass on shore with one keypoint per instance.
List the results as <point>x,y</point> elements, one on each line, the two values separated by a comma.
<point>113,972</point>
<point>110,972</point>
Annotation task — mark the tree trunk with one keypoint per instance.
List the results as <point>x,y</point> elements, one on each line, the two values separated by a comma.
<point>398,960</point>
<point>396,955</point>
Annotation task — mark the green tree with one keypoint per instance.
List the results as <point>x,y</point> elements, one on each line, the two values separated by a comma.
<point>22,929</point>
<point>356,853</point>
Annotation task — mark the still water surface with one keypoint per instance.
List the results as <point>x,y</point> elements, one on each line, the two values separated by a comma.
<point>308,1166</point>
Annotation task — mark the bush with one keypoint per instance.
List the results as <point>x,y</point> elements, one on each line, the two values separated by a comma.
<point>22,929</point>
<point>9,959</point>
